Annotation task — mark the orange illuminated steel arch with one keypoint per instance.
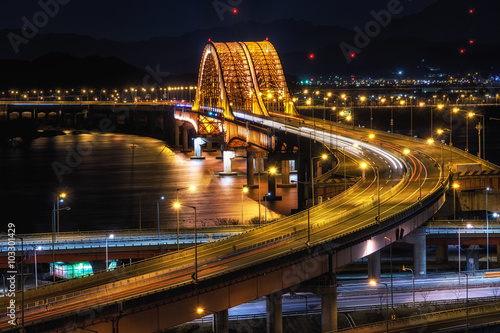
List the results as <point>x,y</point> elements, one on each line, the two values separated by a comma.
<point>244,77</point>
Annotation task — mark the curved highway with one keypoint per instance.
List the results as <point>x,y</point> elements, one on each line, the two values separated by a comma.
<point>403,179</point>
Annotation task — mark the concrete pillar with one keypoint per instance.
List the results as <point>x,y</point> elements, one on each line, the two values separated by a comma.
<point>250,169</point>
<point>329,309</point>
<point>442,254</point>
<point>227,158</point>
<point>285,174</point>
<point>197,149</point>
<point>209,148</point>
<point>221,322</point>
<point>185,147</point>
<point>176,135</point>
<point>259,162</point>
<point>498,253</point>
<point>420,253</point>
<point>274,310</point>
<point>472,258</point>
<point>271,185</point>
<point>374,266</point>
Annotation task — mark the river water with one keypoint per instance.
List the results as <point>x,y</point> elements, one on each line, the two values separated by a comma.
<point>111,185</point>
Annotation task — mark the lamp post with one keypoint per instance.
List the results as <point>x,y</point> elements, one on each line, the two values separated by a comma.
<point>158,216</point>
<point>177,206</point>
<point>374,283</point>
<point>191,188</point>
<point>390,267</point>
<point>60,199</point>
<point>243,191</point>
<point>455,186</point>
<point>107,261</point>
<point>412,282</point>
<point>487,233</point>
<point>55,217</point>
<point>469,115</point>
<point>324,157</point>
<point>469,226</point>
<point>265,207</point>
<point>36,248</point>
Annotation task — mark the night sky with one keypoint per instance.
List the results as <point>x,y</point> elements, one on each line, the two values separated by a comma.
<point>128,20</point>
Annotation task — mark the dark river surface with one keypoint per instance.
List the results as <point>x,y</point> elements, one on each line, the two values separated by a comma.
<point>111,185</point>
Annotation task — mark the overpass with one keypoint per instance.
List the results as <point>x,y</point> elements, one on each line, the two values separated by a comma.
<point>402,185</point>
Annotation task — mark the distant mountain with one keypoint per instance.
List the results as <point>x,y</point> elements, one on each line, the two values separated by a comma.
<point>415,44</point>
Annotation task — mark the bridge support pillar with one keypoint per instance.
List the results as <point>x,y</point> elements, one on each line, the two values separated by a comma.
<point>374,266</point>
<point>285,174</point>
<point>221,322</point>
<point>227,157</point>
<point>442,254</point>
<point>329,309</point>
<point>250,169</point>
<point>176,135</point>
<point>197,150</point>
<point>185,147</point>
<point>419,252</point>
<point>498,253</point>
<point>274,322</point>
<point>473,258</point>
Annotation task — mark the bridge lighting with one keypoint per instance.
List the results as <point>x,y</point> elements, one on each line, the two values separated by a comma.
<point>324,156</point>
<point>311,56</point>
<point>440,106</point>
<point>348,118</point>
<point>272,170</point>
<point>235,11</point>
<point>456,185</point>
<point>200,310</point>
<point>353,55</point>
<point>371,136</point>
<point>177,205</point>
<point>421,104</point>
<point>363,165</point>
<point>495,215</point>
<point>430,141</point>
<point>402,102</point>
<point>406,151</point>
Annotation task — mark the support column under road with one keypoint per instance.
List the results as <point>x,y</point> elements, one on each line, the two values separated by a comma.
<point>221,322</point>
<point>285,174</point>
<point>442,254</point>
<point>498,253</point>
<point>185,147</point>
<point>227,157</point>
<point>374,266</point>
<point>274,309</point>
<point>177,133</point>
<point>329,309</point>
<point>197,149</point>
<point>419,252</point>
<point>250,168</point>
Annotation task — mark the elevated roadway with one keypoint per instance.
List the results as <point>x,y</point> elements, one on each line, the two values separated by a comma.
<point>264,260</point>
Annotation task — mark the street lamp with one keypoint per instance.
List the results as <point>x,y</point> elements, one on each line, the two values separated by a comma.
<point>469,226</point>
<point>59,199</point>
<point>324,157</point>
<point>469,115</point>
<point>412,281</point>
<point>177,206</point>
<point>487,233</point>
<point>158,215</point>
<point>390,256</point>
<point>455,186</point>
<point>374,283</point>
<point>243,191</point>
<point>191,188</point>
<point>36,248</point>
<point>55,217</point>
<point>107,261</point>
<point>265,206</point>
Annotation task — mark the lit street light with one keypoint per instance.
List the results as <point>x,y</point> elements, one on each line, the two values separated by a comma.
<point>195,274</point>
<point>158,217</point>
<point>412,281</point>
<point>107,261</point>
<point>374,283</point>
<point>35,248</point>
<point>191,188</point>
<point>324,157</point>
<point>243,191</point>
<point>55,217</point>
<point>455,186</point>
<point>469,226</point>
